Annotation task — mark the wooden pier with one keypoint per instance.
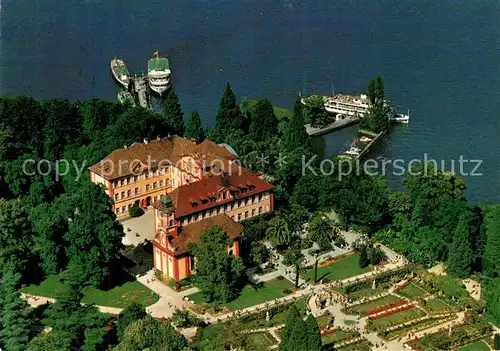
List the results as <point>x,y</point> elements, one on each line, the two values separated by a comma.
<point>140,91</point>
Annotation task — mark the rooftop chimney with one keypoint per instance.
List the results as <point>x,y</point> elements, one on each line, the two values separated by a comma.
<point>145,141</point>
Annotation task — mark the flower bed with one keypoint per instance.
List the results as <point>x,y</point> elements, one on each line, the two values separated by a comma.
<point>388,313</point>
<point>325,331</point>
<point>386,307</point>
<point>402,286</point>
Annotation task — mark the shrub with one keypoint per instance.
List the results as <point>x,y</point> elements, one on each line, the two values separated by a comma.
<point>135,211</point>
<point>286,291</point>
<point>280,277</point>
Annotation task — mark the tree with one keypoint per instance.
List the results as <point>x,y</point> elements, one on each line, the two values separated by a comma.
<point>399,202</point>
<point>278,231</point>
<point>320,230</point>
<point>15,320</point>
<point>81,325</point>
<point>229,117</point>
<point>313,333</point>
<point>194,128</point>
<point>218,274</point>
<point>53,341</point>
<point>316,113</point>
<point>364,261</point>
<point>151,334</point>
<point>491,258</point>
<point>264,122</point>
<point>15,234</point>
<point>293,335</point>
<point>172,112</point>
<point>50,224</point>
<point>94,237</point>
<point>130,314</point>
<point>461,255</point>
<point>295,135</point>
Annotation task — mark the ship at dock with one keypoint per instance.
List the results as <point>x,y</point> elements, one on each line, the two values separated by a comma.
<point>158,73</point>
<point>120,72</point>
<point>345,106</point>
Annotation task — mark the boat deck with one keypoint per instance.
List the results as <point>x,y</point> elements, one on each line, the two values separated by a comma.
<point>158,64</point>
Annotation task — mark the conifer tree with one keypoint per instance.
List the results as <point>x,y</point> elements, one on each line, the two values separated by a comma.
<point>313,335</point>
<point>264,122</point>
<point>173,112</point>
<point>295,133</point>
<point>15,318</point>
<point>491,258</point>
<point>194,128</point>
<point>461,255</point>
<point>292,318</point>
<point>229,117</point>
<point>364,261</point>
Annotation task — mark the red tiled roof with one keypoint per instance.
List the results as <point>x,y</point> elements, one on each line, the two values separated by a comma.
<point>129,160</point>
<point>183,196</point>
<point>191,233</point>
<point>209,147</point>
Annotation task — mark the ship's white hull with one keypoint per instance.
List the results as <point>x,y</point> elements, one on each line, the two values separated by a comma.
<point>159,89</point>
<point>123,81</point>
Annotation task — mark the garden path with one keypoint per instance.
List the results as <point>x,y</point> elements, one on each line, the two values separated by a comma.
<point>36,301</point>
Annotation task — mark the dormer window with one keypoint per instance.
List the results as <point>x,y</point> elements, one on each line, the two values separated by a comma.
<point>204,200</point>
<point>193,203</point>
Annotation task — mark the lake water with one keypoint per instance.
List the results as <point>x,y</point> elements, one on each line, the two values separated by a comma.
<point>438,58</point>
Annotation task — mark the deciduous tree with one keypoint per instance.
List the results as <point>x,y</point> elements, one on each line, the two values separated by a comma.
<point>129,315</point>
<point>218,274</point>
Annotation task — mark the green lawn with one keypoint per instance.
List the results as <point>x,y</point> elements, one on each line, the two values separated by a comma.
<point>477,346</point>
<point>338,336</point>
<point>365,307</point>
<point>120,296</point>
<point>343,268</point>
<point>435,305</point>
<point>260,341</point>
<point>412,291</point>
<point>397,318</point>
<point>250,296</point>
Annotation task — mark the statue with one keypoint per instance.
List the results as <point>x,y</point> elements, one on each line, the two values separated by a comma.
<point>373,285</point>
<point>268,317</point>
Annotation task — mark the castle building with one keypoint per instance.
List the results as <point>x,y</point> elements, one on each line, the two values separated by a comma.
<point>191,189</point>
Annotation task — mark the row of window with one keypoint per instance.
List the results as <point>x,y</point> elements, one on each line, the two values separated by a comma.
<point>230,207</point>
<point>136,178</point>
<point>137,191</point>
<point>123,209</point>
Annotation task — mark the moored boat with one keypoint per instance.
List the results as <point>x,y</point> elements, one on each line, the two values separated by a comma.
<point>158,73</point>
<point>120,72</point>
<point>365,139</point>
<point>125,97</point>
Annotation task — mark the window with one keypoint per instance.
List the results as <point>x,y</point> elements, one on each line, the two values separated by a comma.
<point>171,223</point>
<point>161,183</point>
<point>147,187</point>
<point>260,209</point>
<point>227,207</point>
<point>224,195</point>
<point>218,209</point>
<point>117,210</point>
<point>253,212</point>
<point>239,216</point>
<point>115,184</point>
<point>124,182</point>
<point>155,185</point>
<point>123,194</point>
<point>257,197</point>
<point>116,196</point>
<point>267,208</point>
<point>246,214</point>
<point>129,205</point>
<point>136,191</point>
<point>150,174</point>
<point>129,192</point>
<point>124,208</point>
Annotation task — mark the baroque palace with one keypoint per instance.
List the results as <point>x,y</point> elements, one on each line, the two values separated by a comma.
<point>191,187</point>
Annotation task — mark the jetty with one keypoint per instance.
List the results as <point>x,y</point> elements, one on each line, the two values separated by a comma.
<point>338,124</point>
<point>140,90</point>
